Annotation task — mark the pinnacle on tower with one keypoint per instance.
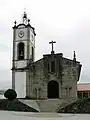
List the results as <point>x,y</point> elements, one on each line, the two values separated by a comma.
<point>25,19</point>
<point>74,56</point>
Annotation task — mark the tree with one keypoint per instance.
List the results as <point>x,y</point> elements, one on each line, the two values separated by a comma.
<point>10,94</point>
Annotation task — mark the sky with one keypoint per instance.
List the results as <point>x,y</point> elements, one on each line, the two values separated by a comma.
<point>65,21</point>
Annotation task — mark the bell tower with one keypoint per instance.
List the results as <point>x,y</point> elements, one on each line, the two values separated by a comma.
<point>23,53</point>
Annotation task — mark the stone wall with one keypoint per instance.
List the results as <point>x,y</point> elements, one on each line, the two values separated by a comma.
<point>66,74</point>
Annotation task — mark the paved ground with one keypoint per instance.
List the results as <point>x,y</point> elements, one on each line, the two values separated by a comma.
<point>8,115</point>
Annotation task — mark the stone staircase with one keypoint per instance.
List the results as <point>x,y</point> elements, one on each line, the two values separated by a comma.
<point>64,104</point>
<point>48,105</point>
<point>30,103</point>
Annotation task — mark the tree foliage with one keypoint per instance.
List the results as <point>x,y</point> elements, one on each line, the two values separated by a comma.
<point>10,94</point>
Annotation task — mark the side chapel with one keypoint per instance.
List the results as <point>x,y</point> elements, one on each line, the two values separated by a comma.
<point>51,77</point>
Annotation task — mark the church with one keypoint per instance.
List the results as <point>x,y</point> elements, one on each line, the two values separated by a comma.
<point>51,77</point>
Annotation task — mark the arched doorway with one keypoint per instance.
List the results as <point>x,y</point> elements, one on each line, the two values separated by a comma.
<point>53,89</point>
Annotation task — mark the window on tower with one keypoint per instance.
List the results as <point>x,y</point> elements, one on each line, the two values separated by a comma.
<point>20,51</point>
<point>32,53</point>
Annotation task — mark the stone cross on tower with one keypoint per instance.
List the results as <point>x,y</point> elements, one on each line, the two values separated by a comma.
<point>52,42</point>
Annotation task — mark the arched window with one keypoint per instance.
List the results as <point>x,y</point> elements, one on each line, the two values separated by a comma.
<point>52,66</point>
<point>32,53</point>
<point>20,51</point>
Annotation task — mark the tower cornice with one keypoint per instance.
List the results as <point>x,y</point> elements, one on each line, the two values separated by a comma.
<point>22,24</point>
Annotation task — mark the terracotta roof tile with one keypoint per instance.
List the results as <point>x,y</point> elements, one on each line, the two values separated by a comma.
<point>83,87</point>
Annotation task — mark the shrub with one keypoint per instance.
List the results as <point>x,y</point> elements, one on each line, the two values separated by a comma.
<point>10,94</point>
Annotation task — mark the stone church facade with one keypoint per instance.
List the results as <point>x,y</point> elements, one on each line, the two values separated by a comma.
<point>51,77</point>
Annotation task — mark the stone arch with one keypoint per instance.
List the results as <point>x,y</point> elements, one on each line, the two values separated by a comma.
<point>53,89</point>
<point>20,51</point>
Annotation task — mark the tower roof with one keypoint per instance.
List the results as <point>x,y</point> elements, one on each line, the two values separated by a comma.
<point>24,23</point>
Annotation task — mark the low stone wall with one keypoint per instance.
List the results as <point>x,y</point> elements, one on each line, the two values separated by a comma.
<point>15,105</point>
<point>80,106</point>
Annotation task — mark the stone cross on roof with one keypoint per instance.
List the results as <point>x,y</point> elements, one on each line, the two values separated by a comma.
<point>52,42</point>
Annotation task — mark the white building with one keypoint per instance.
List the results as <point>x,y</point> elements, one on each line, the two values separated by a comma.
<point>23,53</point>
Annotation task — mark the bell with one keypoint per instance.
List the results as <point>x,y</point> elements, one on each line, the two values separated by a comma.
<point>21,53</point>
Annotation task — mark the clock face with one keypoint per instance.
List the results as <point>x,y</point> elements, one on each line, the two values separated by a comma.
<point>21,34</point>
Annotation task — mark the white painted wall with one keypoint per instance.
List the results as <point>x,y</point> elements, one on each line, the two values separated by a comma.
<point>32,37</point>
<point>20,77</point>
<point>32,43</point>
<point>20,84</point>
<point>20,64</point>
<point>16,50</point>
<point>30,50</point>
<point>24,40</point>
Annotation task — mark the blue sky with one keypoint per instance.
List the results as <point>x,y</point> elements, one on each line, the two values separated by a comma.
<point>65,21</point>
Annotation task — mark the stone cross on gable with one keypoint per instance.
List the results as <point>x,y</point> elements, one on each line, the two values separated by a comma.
<point>52,42</point>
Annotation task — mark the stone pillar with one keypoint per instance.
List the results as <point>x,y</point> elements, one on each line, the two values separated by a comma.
<point>60,92</point>
<point>88,94</point>
<point>66,89</point>
<point>38,93</point>
<point>82,95</point>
